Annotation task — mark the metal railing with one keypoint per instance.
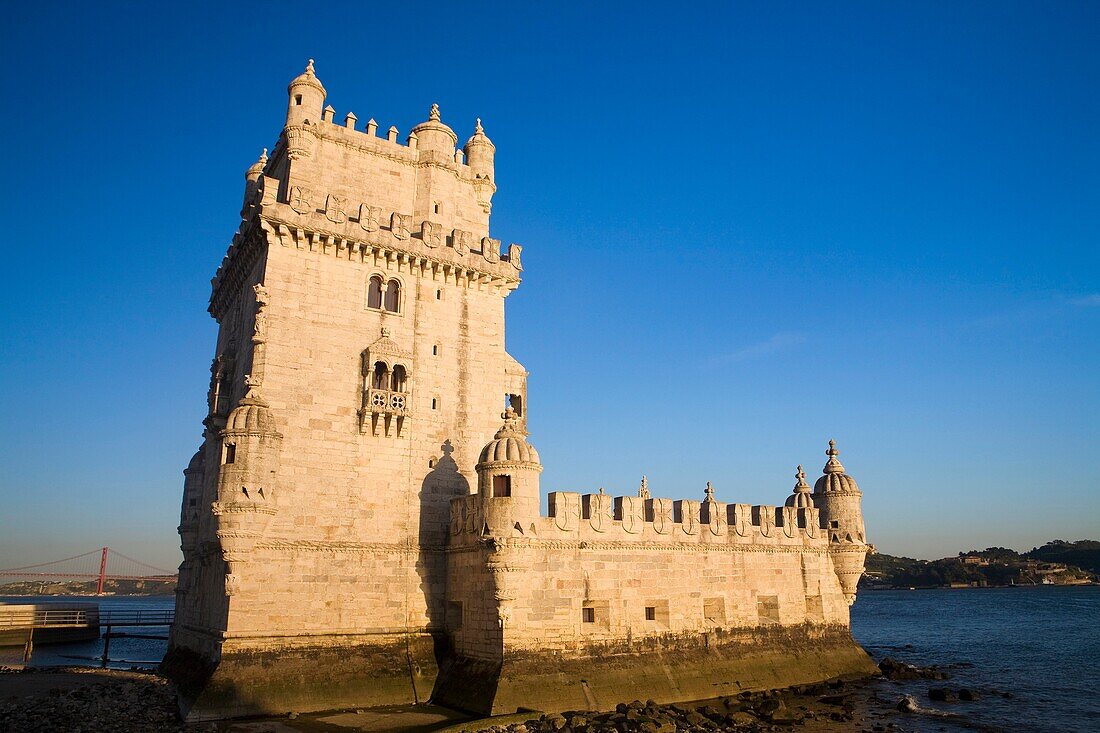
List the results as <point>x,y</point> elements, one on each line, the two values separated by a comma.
<point>42,618</point>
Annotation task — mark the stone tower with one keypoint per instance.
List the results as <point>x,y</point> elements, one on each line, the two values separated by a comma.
<point>839,499</point>
<point>359,369</point>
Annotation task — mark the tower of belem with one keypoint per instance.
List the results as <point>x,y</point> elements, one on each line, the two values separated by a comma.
<point>361,524</point>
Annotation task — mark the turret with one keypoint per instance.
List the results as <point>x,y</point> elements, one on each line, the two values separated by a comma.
<point>435,137</point>
<point>838,498</point>
<point>508,478</point>
<point>801,498</point>
<point>252,175</point>
<point>479,153</point>
<point>307,97</point>
<point>192,495</point>
<point>246,480</point>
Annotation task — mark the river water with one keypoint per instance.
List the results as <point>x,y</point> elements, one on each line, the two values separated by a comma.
<point>1041,644</point>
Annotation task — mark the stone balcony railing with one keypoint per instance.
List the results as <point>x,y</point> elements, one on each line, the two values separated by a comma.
<point>387,402</point>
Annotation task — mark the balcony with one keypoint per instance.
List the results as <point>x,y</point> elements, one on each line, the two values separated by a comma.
<point>384,411</point>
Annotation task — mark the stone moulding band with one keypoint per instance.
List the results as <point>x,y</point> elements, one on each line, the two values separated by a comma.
<point>360,548</point>
<point>292,234</point>
<point>264,634</point>
<point>622,545</point>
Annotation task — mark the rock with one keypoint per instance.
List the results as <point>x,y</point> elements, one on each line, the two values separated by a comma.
<point>942,694</point>
<point>740,718</point>
<point>769,706</point>
<point>712,713</point>
<point>908,704</point>
<point>837,700</point>
<point>577,721</point>
<point>968,695</point>
<point>292,715</point>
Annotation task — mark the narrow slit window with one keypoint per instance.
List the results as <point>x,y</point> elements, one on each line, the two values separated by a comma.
<point>435,403</point>
<point>297,100</point>
<point>588,615</point>
<point>230,452</point>
<point>650,613</point>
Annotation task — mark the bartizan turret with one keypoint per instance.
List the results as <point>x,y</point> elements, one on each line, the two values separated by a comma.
<point>838,498</point>
<point>303,113</point>
<point>508,479</point>
<point>480,153</point>
<point>246,482</point>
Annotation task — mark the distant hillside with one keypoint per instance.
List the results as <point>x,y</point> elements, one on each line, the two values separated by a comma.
<point>1082,553</point>
<point>1055,563</point>
<point>88,587</point>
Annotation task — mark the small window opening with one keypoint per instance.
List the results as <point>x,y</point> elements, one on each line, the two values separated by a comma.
<point>393,296</point>
<point>378,377</point>
<point>374,292</point>
<point>437,207</point>
<point>432,462</point>
<point>297,100</point>
<point>435,403</point>
<point>453,619</point>
<point>230,452</point>
<point>398,379</point>
<point>502,485</point>
<point>514,401</point>
<point>439,295</point>
<point>650,613</point>
<point>588,615</point>
<point>435,349</point>
<point>835,524</point>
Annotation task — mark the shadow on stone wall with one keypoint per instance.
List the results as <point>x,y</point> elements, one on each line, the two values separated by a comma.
<point>443,483</point>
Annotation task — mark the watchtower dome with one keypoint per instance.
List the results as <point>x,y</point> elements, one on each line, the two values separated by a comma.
<point>839,499</point>
<point>508,477</point>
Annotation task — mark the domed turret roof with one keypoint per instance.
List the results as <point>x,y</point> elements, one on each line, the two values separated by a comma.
<point>834,480</point>
<point>509,445</point>
<point>479,137</point>
<point>434,125</point>
<point>307,78</point>
<point>256,168</point>
<point>801,497</point>
<point>251,415</point>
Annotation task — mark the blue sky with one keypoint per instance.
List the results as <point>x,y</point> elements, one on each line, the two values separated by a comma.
<point>748,228</point>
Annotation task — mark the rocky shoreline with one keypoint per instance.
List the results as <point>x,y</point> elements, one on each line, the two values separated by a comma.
<point>84,700</point>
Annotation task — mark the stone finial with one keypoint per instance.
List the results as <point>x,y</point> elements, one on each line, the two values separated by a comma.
<point>509,413</point>
<point>309,68</point>
<point>433,115</point>
<point>833,465</point>
<point>478,129</point>
<point>263,157</point>
<point>801,483</point>
<point>643,490</point>
<point>601,491</point>
<point>385,332</point>
<point>709,492</point>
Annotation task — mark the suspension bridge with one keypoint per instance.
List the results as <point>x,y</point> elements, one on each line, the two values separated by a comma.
<point>101,565</point>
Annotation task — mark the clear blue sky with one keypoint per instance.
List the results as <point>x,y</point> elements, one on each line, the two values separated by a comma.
<point>749,228</point>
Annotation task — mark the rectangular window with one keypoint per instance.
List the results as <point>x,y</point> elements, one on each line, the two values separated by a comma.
<point>656,612</point>
<point>595,616</point>
<point>767,609</point>
<point>230,452</point>
<point>815,609</point>
<point>714,612</point>
<point>453,619</point>
<point>502,485</point>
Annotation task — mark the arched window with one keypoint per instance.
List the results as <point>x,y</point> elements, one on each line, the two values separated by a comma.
<point>374,292</point>
<point>393,296</point>
<point>398,379</point>
<point>378,380</point>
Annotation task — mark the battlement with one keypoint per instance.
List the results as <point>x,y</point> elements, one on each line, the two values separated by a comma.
<point>642,519</point>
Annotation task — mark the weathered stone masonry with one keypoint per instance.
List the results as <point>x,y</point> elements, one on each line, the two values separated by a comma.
<point>358,526</point>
